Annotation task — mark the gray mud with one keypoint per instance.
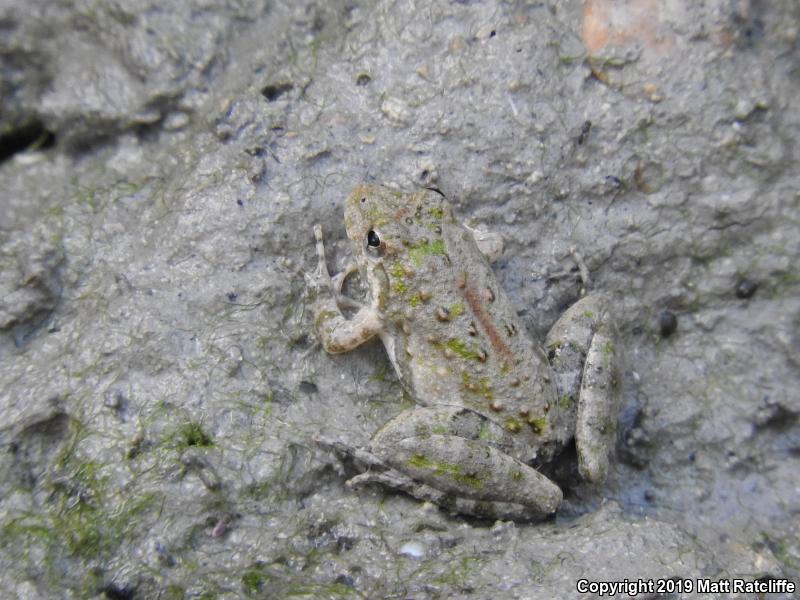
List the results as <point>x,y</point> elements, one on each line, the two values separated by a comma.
<point>160,388</point>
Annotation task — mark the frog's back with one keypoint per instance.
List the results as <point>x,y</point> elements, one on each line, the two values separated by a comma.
<point>455,336</point>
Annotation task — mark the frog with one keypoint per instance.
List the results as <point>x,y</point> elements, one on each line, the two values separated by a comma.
<point>491,406</point>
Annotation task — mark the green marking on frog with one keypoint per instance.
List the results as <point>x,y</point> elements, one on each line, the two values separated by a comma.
<point>454,471</point>
<point>512,424</point>
<point>398,270</point>
<point>420,251</point>
<point>456,310</point>
<point>460,348</point>
<point>537,424</point>
<point>437,212</point>
<point>479,386</point>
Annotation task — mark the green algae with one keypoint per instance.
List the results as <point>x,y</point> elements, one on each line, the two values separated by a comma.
<point>193,434</point>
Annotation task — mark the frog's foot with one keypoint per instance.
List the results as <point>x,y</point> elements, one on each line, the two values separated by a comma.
<point>583,271</point>
<point>362,458</point>
<point>379,472</point>
<point>394,479</point>
<point>460,455</point>
<point>581,348</point>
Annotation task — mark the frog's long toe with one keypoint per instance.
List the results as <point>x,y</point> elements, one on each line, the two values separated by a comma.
<point>363,458</point>
<point>465,506</point>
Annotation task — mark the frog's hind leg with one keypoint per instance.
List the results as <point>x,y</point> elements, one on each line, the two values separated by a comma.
<point>455,457</point>
<point>582,352</point>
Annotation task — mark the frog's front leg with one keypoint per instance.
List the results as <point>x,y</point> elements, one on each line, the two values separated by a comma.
<point>458,458</point>
<point>582,351</point>
<point>336,332</point>
<point>337,281</point>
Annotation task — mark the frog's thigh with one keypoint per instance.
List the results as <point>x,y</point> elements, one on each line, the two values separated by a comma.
<point>458,451</point>
<point>581,347</point>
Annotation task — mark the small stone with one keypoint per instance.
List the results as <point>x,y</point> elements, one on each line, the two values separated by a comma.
<point>651,91</point>
<point>457,45</point>
<point>442,314</point>
<point>176,120</point>
<point>667,323</point>
<point>746,288</point>
<point>496,406</point>
<point>486,32</point>
<point>395,109</point>
<point>413,549</point>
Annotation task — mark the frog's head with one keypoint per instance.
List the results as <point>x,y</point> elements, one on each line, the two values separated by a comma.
<point>383,223</point>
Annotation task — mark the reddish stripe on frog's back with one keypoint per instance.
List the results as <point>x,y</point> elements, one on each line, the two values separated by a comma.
<point>476,305</point>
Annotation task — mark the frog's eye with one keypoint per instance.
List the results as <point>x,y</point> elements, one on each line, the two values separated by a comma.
<point>372,239</point>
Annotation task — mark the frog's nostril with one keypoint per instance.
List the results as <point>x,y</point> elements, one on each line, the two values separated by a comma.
<point>363,200</point>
